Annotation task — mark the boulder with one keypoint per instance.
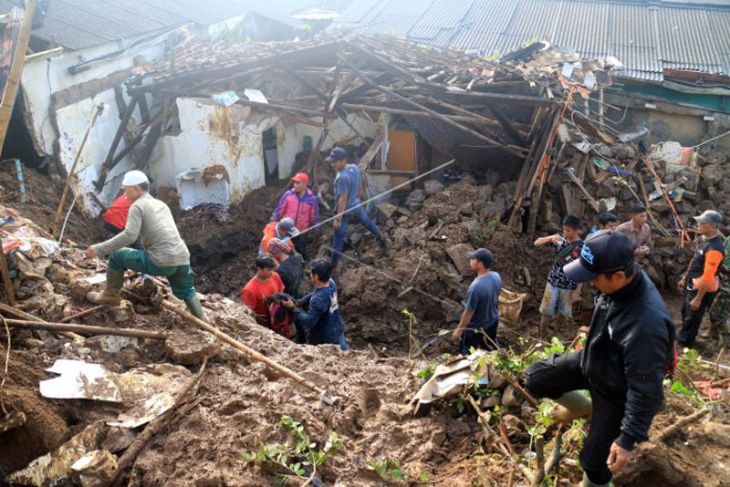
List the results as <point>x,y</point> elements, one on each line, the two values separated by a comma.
<point>386,210</point>
<point>432,187</point>
<point>415,199</point>
<point>459,256</point>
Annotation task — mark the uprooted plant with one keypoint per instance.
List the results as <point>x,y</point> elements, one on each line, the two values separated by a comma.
<point>298,456</point>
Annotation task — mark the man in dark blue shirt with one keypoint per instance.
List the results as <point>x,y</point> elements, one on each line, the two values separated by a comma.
<point>478,325</point>
<point>347,202</point>
<point>322,322</point>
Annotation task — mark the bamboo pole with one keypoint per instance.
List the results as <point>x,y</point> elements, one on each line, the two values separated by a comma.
<point>88,329</point>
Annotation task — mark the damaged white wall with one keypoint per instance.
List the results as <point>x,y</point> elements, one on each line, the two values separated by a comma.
<point>211,135</point>
<point>58,129</point>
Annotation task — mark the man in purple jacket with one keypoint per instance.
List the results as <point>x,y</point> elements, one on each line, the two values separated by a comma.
<point>301,205</point>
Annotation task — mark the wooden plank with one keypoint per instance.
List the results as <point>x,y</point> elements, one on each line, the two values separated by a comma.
<point>7,283</point>
<point>507,125</point>
<point>16,70</point>
<point>437,115</point>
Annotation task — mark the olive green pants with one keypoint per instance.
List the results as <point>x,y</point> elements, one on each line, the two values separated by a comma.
<point>180,277</point>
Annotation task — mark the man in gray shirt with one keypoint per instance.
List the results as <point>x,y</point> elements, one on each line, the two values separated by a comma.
<point>164,254</point>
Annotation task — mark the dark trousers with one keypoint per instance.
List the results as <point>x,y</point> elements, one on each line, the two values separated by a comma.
<point>338,242</point>
<point>116,231</point>
<point>691,320</point>
<point>472,338</point>
<point>301,244</point>
<point>559,374</point>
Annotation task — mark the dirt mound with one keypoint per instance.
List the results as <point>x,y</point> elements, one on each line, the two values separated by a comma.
<point>44,194</point>
<point>223,243</point>
<point>45,427</point>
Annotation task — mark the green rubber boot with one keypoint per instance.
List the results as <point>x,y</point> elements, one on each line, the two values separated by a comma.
<point>587,482</point>
<point>195,308</point>
<point>573,405</point>
<point>110,295</point>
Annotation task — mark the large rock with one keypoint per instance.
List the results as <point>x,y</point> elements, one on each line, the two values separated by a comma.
<point>386,210</point>
<point>712,174</point>
<point>459,255</point>
<point>415,199</point>
<point>432,187</point>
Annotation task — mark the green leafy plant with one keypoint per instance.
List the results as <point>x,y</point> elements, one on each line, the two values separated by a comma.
<point>426,372</point>
<point>689,361</point>
<point>299,455</point>
<point>680,389</point>
<point>424,477</point>
<point>388,470</point>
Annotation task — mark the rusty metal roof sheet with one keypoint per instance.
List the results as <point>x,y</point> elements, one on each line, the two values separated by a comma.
<point>646,35</point>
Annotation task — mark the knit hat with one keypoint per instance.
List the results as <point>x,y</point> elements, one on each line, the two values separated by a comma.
<point>278,246</point>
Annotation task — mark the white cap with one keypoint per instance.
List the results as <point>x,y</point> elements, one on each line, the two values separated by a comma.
<point>134,178</point>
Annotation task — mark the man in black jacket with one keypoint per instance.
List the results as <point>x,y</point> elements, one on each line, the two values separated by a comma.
<point>629,348</point>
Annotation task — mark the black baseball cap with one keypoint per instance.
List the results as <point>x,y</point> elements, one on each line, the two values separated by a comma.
<point>484,256</point>
<point>337,154</point>
<point>606,251</point>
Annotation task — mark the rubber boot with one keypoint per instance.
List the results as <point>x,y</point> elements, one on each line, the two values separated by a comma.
<point>573,405</point>
<point>110,295</point>
<point>195,308</point>
<point>587,482</point>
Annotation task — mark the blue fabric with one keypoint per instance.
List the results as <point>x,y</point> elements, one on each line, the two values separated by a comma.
<point>483,299</point>
<point>322,321</point>
<point>338,242</point>
<point>348,182</point>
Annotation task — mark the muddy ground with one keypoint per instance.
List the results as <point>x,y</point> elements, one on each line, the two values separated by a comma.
<point>241,402</point>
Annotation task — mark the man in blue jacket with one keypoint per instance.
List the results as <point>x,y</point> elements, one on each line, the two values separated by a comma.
<point>322,322</point>
<point>629,348</point>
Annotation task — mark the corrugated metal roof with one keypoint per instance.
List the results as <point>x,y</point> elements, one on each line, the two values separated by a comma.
<point>646,35</point>
<point>77,24</point>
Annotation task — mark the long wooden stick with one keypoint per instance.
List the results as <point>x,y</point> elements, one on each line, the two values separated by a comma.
<point>13,311</point>
<point>670,430</point>
<point>183,403</point>
<point>86,329</point>
<point>82,314</point>
<point>249,352</point>
<point>72,171</point>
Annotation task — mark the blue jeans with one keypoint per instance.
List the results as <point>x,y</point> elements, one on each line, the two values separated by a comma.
<point>343,343</point>
<point>339,240</point>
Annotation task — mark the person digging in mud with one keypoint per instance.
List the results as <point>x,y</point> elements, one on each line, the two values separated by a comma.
<point>347,202</point>
<point>638,231</point>
<point>264,284</point>
<point>284,230</point>
<point>629,348</point>
<point>290,266</point>
<point>301,205</point>
<point>560,291</point>
<point>322,322</point>
<point>480,319</point>
<point>701,282</point>
<point>164,254</point>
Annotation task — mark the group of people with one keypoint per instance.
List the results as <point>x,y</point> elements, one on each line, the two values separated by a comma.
<point>630,345</point>
<point>274,292</point>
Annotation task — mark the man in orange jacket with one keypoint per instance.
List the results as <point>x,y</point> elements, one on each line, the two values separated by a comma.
<point>284,230</point>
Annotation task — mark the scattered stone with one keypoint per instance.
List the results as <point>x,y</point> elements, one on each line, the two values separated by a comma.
<point>712,174</point>
<point>491,401</point>
<point>496,380</point>
<point>124,313</point>
<point>511,424</point>
<point>459,256</point>
<point>415,199</point>
<point>386,210</point>
<point>511,398</point>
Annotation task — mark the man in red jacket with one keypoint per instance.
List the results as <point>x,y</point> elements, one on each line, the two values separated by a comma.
<point>115,218</point>
<point>301,205</point>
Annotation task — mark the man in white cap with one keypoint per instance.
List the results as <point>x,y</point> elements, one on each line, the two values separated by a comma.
<point>164,254</point>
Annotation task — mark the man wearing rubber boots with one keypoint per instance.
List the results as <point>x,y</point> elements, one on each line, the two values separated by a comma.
<point>165,252</point>
<point>629,348</point>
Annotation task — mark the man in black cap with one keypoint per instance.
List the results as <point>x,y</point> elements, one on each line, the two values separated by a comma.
<point>479,321</point>
<point>629,348</point>
<point>701,281</point>
<point>347,202</point>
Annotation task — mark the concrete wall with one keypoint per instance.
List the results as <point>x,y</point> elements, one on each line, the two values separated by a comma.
<point>211,135</point>
<point>59,131</point>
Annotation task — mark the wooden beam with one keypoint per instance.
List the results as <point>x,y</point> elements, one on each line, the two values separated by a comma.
<point>7,283</point>
<point>86,329</point>
<point>405,113</point>
<point>16,70</point>
<point>507,125</point>
<point>443,118</point>
<point>106,165</point>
